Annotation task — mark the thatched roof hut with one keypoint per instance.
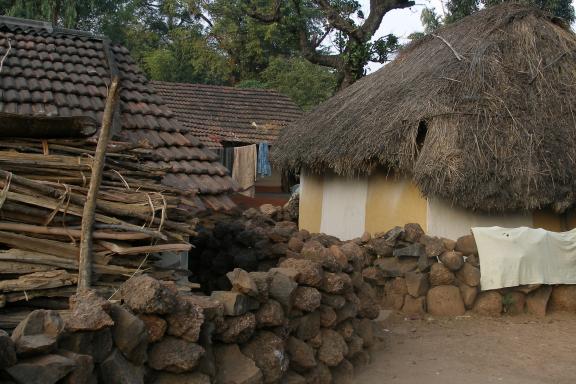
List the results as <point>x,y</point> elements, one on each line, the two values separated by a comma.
<point>479,114</point>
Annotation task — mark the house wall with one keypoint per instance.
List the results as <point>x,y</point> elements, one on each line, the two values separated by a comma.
<point>311,196</point>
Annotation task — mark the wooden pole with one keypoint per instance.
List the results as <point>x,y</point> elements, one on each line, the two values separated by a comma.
<point>85,263</point>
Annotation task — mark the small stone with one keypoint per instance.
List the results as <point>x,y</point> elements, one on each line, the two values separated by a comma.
<point>282,289</point>
<point>348,311</point>
<point>368,304</point>
<point>233,367</point>
<point>242,282</point>
<point>270,314</point>
<point>174,355</point>
<point>414,306</point>
<point>116,369</point>
<point>355,254</point>
<point>413,250</point>
<point>328,316</point>
<point>292,377</point>
<point>38,333</point>
<point>239,329</point>
<point>8,350</point>
<point>366,236</point>
<point>339,256</point>
<point>355,346</point>
<point>90,312</point>
<point>452,260</point>
<point>267,351</point>
<point>46,369</point>
<point>319,375</point>
<point>97,344</point>
<point>144,294</point>
<point>488,303</point>
<point>84,371</point>
<point>469,294</point>
<point>183,378</point>
<point>307,299</point>
<point>417,283</point>
<point>433,246</point>
<point>343,373</point>
<point>441,275</point>
<point>474,259</point>
<point>333,348</point>
<point>345,329</point>
<point>394,267</point>
<point>334,301</point>
<point>514,303</point>
<point>315,251</point>
<point>537,301</point>
<point>155,327</point>
<point>335,283</point>
<point>466,245</point>
<point>235,303</point>
<point>374,275</point>
<point>302,356</point>
<point>295,244</point>
<point>445,300</point>
<point>413,232</point>
<point>262,280</point>
<point>449,244</point>
<point>186,320</point>
<point>310,272</point>
<point>469,274</point>
<point>308,326</point>
<point>129,335</point>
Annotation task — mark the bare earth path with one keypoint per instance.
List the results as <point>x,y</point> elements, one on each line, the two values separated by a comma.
<point>473,350</point>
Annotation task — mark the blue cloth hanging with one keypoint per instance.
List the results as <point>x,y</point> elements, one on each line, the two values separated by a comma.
<point>264,168</point>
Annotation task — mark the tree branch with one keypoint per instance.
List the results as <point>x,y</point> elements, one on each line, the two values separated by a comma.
<point>336,20</point>
<point>264,18</point>
<point>378,9</point>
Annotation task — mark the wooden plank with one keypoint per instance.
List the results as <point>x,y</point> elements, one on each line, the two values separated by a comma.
<point>39,280</point>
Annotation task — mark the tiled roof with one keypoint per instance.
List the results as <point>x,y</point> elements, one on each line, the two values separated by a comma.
<point>217,114</point>
<point>63,73</point>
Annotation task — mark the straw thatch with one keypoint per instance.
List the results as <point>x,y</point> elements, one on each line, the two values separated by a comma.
<point>480,113</point>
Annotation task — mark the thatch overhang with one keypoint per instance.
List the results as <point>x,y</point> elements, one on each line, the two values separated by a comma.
<point>479,113</point>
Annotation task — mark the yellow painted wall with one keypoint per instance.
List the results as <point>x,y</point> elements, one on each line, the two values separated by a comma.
<point>551,221</point>
<point>392,202</point>
<point>311,195</point>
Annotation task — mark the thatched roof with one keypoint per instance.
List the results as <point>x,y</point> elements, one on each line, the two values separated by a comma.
<point>481,114</point>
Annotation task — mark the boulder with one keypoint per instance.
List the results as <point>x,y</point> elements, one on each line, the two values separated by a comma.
<point>8,350</point>
<point>310,272</point>
<point>302,356</point>
<point>234,303</point>
<point>488,303</point>
<point>174,355</point>
<point>412,232</point>
<point>242,282</point>
<point>129,335</point>
<point>333,348</point>
<point>433,246</point>
<point>116,369</point>
<point>90,312</point>
<point>469,275</point>
<point>445,300</point>
<point>186,320</point>
<point>414,306</point>
<point>38,333</point>
<point>270,314</point>
<point>307,298</point>
<point>466,245</point>
<point>417,283</point>
<point>282,289</point>
<point>239,329</point>
<point>83,373</point>
<point>144,294</point>
<point>155,327</point>
<point>97,344</point>
<point>267,351</point>
<point>233,367</point>
<point>46,369</point>
<point>308,326</point>
<point>469,294</point>
<point>183,378</point>
<point>563,298</point>
<point>440,275</point>
<point>452,260</point>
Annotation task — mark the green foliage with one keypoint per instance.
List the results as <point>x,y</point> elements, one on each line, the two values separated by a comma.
<point>507,302</point>
<point>460,8</point>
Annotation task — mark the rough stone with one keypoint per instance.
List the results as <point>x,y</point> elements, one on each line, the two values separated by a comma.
<point>466,245</point>
<point>270,314</point>
<point>514,302</point>
<point>333,348</point>
<point>449,244</point>
<point>412,232</point>
<point>433,246</point>
<point>234,367</point>
<point>155,327</point>
<point>394,292</point>
<point>174,355</point>
<point>116,369</point>
<point>295,244</point>
<point>83,373</point>
<point>381,247</point>
<point>334,301</point>
<point>185,378</point>
<point>282,289</point>
<point>144,294</point>
<point>360,360</point>
<point>307,298</point>
<point>368,306</point>
<point>186,320</point>
<point>129,335</point>
<point>365,329</point>
<point>440,275</point>
<point>267,351</point>
<point>452,260</point>
<point>234,303</point>
<point>97,344</point>
<point>473,259</point>
<point>335,283</point>
<point>38,332</point>
<point>469,274</point>
<point>445,300</point>
<point>563,298</point>
<point>242,282</point>
<point>537,301</point>
<point>366,236</point>
<point>355,345</point>
<point>469,294</point>
<point>413,250</point>
<point>319,375</point>
<point>374,275</point>
<point>302,356</point>
<point>90,312</point>
<point>414,306</point>
<point>8,350</point>
<point>239,329</point>
<point>527,288</point>
<point>394,267</point>
<point>328,316</point>
<point>308,326</point>
<point>417,283</point>
<point>262,280</point>
<point>345,329</point>
<point>355,254</point>
<point>310,272</point>
<point>343,373</point>
<point>314,250</point>
<point>292,377</point>
<point>46,369</point>
<point>348,311</point>
<point>488,303</point>
<point>339,256</point>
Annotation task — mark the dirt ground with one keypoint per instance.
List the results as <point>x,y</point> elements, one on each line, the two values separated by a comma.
<point>474,350</point>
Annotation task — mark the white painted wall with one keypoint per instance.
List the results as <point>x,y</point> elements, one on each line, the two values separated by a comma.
<point>344,206</point>
<point>451,222</point>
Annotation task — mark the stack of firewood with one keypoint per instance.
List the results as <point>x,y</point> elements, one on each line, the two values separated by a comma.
<point>43,188</point>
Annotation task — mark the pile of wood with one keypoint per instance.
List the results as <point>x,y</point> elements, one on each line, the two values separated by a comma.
<point>43,190</point>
